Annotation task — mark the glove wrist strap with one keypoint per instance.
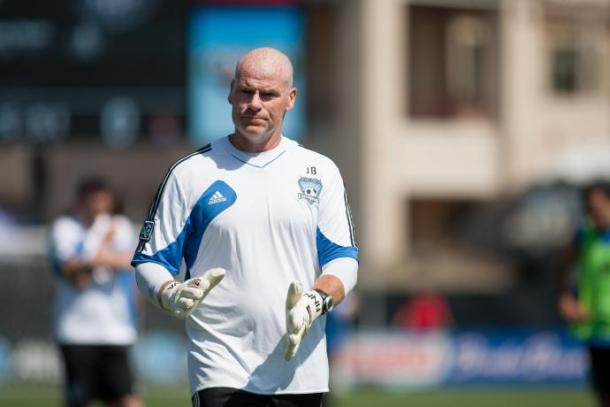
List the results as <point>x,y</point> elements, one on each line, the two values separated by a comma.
<point>315,304</point>
<point>327,301</point>
<point>164,294</point>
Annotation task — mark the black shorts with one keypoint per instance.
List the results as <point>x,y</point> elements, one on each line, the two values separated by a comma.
<point>599,358</point>
<point>96,372</point>
<point>228,397</point>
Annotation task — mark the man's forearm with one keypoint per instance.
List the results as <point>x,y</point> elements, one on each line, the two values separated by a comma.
<point>332,286</point>
<point>151,278</point>
<point>338,278</point>
<point>112,260</point>
<point>562,277</point>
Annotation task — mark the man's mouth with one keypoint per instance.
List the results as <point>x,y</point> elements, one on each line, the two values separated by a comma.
<point>253,118</point>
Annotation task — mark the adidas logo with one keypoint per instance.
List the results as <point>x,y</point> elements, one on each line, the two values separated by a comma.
<point>216,197</point>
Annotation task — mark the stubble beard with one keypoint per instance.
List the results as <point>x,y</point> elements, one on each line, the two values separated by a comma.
<point>258,139</point>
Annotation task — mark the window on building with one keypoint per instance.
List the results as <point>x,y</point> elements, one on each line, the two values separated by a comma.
<point>577,48</point>
<point>452,62</point>
<point>564,65</point>
<point>467,45</point>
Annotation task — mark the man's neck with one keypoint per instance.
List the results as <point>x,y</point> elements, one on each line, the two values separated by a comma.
<point>243,143</point>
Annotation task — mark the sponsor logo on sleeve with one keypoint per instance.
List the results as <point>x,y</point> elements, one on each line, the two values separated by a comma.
<point>147,230</point>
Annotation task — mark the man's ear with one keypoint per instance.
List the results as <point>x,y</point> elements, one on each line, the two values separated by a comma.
<point>292,97</point>
<point>231,92</point>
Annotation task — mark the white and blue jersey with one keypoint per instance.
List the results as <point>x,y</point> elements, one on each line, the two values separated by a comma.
<point>268,219</point>
<point>104,312</point>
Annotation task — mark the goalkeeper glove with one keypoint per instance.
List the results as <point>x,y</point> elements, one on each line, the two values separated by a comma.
<point>180,299</point>
<point>301,311</point>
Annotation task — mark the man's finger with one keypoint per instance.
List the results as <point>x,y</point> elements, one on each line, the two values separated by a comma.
<point>295,322</point>
<point>294,341</point>
<point>193,293</point>
<point>294,294</point>
<point>213,277</point>
<point>198,282</point>
<point>185,303</point>
<point>291,350</point>
<point>296,338</point>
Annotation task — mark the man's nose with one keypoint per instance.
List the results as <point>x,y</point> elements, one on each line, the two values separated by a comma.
<point>255,102</point>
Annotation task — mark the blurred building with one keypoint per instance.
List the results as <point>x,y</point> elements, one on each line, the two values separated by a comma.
<point>430,107</point>
<point>457,102</point>
<point>461,128</point>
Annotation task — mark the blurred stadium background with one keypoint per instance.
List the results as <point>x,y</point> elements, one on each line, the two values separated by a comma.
<point>464,129</point>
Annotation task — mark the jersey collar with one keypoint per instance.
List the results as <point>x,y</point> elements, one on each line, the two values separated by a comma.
<point>259,160</point>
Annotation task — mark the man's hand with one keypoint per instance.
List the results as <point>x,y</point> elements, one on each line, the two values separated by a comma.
<point>78,272</point>
<point>301,311</point>
<point>571,309</point>
<point>180,299</point>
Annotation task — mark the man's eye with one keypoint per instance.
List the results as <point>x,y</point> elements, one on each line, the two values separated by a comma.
<point>246,91</point>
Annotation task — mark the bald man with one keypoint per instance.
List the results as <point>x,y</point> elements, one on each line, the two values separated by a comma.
<point>264,229</point>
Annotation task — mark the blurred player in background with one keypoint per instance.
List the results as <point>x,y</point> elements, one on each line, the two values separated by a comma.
<point>587,307</point>
<point>267,222</point>
<point>94,298</point>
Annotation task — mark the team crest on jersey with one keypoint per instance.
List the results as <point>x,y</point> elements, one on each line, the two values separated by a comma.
<point>310,190</point>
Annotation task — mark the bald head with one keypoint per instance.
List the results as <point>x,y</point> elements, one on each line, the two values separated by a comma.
<point>260,96</point>
<point>266,62</point>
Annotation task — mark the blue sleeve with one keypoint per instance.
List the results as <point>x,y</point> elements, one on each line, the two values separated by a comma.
<point>214,200</point>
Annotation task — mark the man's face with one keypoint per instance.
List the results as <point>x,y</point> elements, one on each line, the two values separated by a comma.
<point>598,207</point>
<point>98,203</point>
<point>259,102</point>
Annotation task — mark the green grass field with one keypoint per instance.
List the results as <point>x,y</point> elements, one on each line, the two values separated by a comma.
<point>19,396</point>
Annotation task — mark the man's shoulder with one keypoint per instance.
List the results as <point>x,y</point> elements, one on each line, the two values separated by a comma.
<point>66,220</point>
<point>314,156</point>
<point>194,162</point>
<point>66,224</point>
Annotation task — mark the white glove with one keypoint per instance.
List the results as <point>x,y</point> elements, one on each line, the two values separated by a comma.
<point>180,299</point>
<point>301,311</point>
